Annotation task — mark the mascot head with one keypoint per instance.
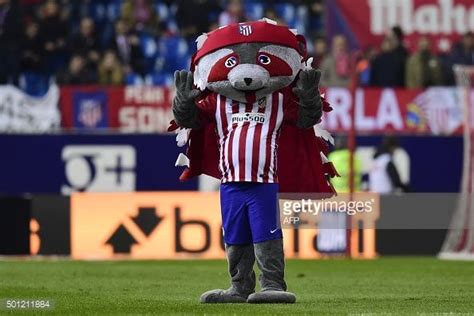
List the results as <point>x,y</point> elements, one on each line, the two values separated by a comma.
<point>248,60</point>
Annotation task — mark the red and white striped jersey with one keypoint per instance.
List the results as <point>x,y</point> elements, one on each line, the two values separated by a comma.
<point>248,136</point>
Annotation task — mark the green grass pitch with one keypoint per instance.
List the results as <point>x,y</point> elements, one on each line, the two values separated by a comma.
<point>387,285</point>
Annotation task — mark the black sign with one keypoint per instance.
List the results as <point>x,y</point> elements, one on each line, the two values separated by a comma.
<point>14,225</point>
<point>51,225</point>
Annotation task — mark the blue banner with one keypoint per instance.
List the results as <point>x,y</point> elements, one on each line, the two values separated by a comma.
<point>145,162</point>
<point>435,163</point>
<point>103,163</point>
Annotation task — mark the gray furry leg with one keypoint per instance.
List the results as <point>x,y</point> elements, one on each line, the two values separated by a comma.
<point>241,260</point>
<point>271,262</point>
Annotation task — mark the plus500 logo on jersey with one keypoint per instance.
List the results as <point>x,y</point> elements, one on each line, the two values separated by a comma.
<point>248,117</point>
<point>99,168</point>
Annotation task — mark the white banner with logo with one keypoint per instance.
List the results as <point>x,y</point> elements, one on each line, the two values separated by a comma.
<point>20,112</point>
<point>433,111</point>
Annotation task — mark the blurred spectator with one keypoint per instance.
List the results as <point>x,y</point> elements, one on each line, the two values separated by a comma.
<point>363,65</point>
<point>271,14</point>
<point>423,68</point>
<point>336,67</point>
<point>127,46</point>
<point>31,58</point>
<point>10,36</point>
<point>53,31</point>
<point>53,28</point>
<point>315,15</point>
<point>340,157</point>
<point>461,54</point>
<point>76,73</point>
<point>380,64</point>
<point>400,53</point>
<point>384,176</point>
<point>319,51</point>
<point>85,42</point>
<point>29,8</point>
<point>141,15</point>
<point>76,10</point>
<point>233,13</point>
<point>110,70</point>
<point>444,52</point>
<point>388,68</point>
<point>188,10</point>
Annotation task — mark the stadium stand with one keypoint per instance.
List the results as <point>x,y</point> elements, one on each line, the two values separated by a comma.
<point>158,38</point>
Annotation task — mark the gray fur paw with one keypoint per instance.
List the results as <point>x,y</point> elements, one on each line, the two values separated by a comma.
<point>307,84</point>
<point>272,297</point>
<point>221,296</point>
<point>183,81</point>
<point>310,104</point>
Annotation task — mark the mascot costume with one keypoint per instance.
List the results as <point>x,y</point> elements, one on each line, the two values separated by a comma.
<point>249,105</point>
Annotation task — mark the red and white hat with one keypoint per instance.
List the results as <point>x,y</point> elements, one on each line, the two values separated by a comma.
<point>262,31</point>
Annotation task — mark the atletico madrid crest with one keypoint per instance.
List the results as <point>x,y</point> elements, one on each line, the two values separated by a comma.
<point>245,29</point>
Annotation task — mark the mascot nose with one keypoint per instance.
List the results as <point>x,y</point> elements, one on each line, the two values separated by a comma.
<point>248,81</point>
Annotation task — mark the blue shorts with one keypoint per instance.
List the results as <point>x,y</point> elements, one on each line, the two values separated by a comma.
<point>250,212</point>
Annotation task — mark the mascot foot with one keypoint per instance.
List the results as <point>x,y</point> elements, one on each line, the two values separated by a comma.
<point>272,297</point>
<point>221,296</point>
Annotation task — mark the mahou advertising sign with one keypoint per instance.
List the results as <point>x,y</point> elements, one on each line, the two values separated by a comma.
<point>365,22</point>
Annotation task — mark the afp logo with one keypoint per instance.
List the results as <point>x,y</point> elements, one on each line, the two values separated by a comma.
<point>99,168</point>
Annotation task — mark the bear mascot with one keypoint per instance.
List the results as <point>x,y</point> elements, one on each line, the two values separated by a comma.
<point>247,111</point>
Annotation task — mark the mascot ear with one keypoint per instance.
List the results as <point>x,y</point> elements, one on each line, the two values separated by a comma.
<point>302,46</point>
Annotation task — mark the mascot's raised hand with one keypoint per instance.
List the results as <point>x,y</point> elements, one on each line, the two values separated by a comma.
<point>311,105</point>
<point>184,103</point>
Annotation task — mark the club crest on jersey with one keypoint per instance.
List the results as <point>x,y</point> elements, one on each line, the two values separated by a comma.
<point>248,117</point>
<point>262,102</point>
<point>245,29</point>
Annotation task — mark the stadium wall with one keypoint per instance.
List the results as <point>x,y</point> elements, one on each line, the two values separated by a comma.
<point>111,140</point>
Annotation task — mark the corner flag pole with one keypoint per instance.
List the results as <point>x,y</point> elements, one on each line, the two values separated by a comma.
<point>351,142</point>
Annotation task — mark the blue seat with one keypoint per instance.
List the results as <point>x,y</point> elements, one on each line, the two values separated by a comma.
<point>254,11</point>
<point>162,11</point>
<point>34,84</point>
<point>149,48</point>
<point>148,45</point>
<point>174,51</point>
<point>159,79</point>
<point>302,19</point>
<point>287,12</point>
<point>113,10</point>
<point>134,79</point>
<point>172,25</point>
<point>98,11</point>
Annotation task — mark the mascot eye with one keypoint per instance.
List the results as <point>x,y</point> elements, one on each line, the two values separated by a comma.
<point>264,59</point>
<point>230,62</point>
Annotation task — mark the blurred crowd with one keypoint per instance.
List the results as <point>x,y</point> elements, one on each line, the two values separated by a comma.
<point>121,41</point>
<point>143,41</point>
<point>391,64</point>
